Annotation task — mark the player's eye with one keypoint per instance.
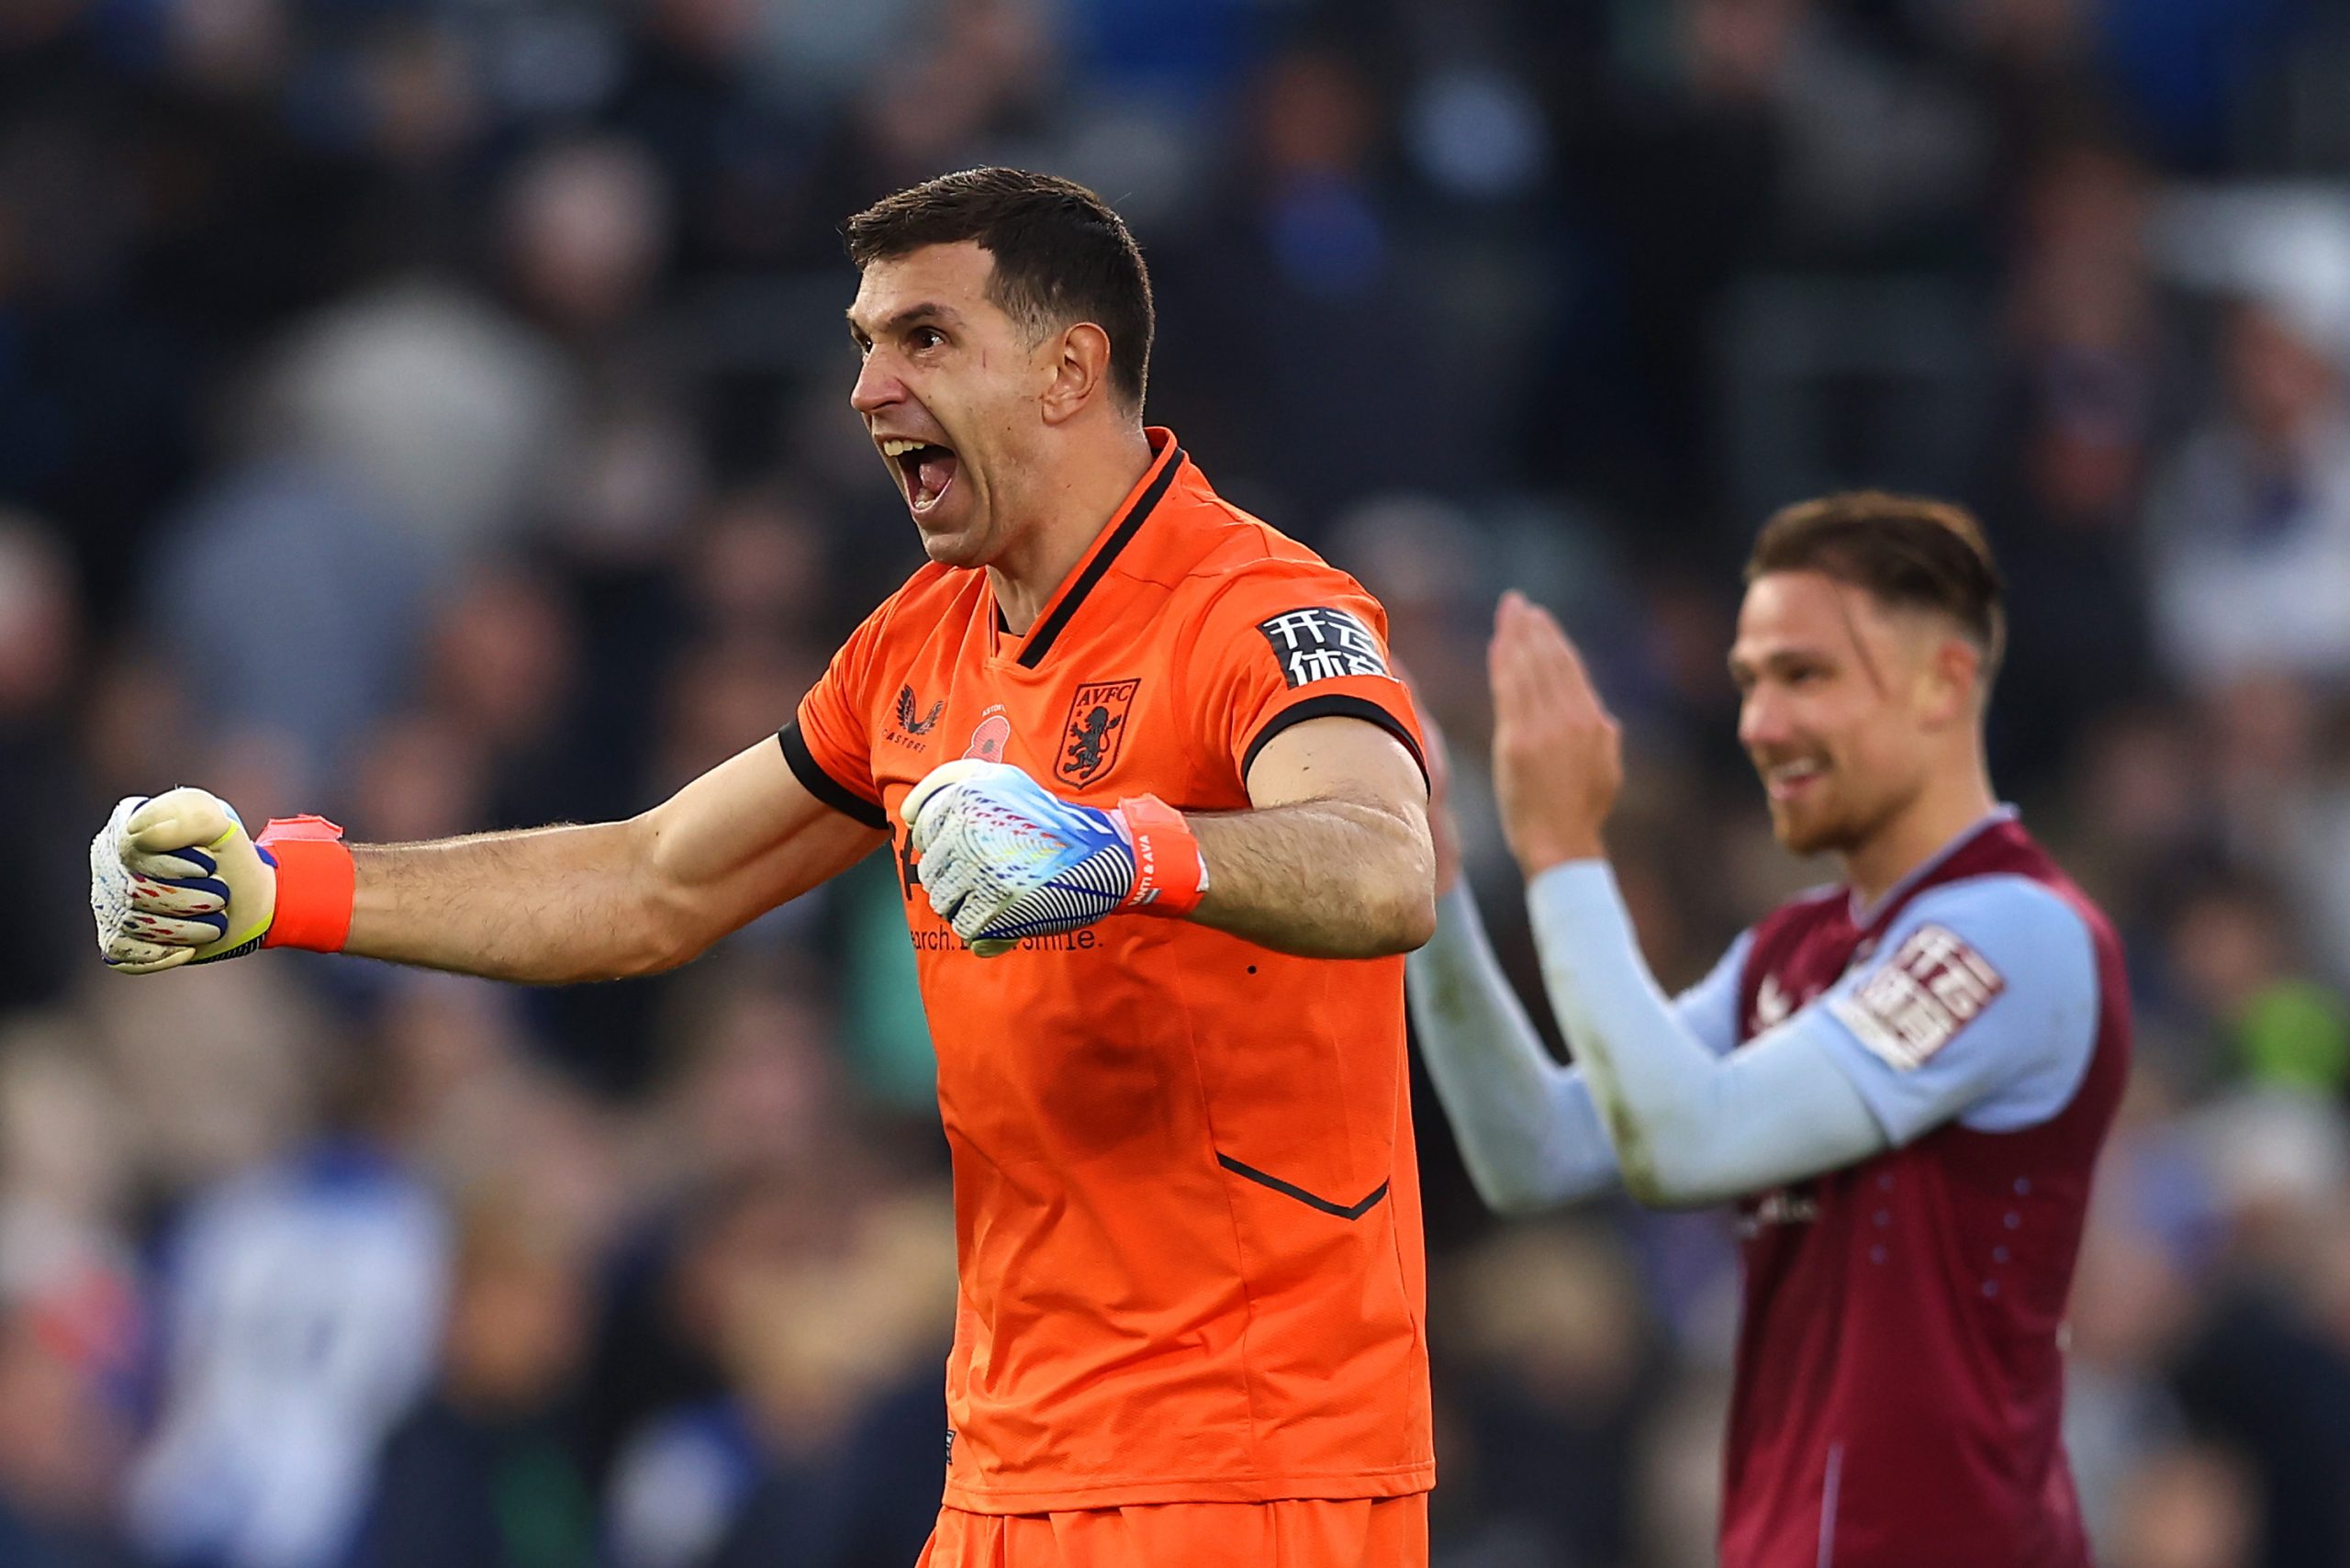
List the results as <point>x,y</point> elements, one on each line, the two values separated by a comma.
<point>925,337</point>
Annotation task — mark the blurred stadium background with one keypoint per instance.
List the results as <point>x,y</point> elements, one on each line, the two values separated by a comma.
<point>434,412</point>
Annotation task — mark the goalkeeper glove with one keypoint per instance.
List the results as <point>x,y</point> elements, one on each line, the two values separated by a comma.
<point>175,881</point>
<point>1002,859</point>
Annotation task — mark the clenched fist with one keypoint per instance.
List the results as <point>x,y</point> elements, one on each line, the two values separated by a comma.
<point>176,880</point>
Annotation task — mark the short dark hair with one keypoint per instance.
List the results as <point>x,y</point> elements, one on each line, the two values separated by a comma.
<point>1908,551</point>
<point>1061,255</point>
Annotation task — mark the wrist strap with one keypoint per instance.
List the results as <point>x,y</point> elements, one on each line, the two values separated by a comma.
<point>315,883</point>
<point>1170,875</point>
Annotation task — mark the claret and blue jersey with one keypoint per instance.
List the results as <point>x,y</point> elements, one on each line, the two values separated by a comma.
<point>1906,1100</point>
<point>1899,1374</point>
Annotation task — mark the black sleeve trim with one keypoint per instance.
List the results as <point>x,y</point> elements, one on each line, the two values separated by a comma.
<point>822,785</point>
<point>1337,705</point>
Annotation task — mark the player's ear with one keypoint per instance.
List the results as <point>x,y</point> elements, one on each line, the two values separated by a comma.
<point>1081,372</point>
<point>1952,676</point>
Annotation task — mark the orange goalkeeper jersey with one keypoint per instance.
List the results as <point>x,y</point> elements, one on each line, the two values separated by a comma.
<point>1187,1211</point>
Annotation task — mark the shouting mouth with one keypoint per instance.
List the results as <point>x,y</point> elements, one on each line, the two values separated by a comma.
<point>925,470</point>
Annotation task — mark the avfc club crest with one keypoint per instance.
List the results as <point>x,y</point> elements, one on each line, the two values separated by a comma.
<point>1097,725</point>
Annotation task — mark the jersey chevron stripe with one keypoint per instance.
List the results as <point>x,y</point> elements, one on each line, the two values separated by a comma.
<point>1288,1190</point>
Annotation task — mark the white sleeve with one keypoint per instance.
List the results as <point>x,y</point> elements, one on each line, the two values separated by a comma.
<point>1708,1009</point>
<point>1980,1004</point>
<point>1688,1127</point>
<point>1528,1129</point>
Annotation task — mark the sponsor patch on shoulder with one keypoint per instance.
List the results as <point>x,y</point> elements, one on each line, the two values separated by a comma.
<point>1323,644</point>
<point>1919,1000</point>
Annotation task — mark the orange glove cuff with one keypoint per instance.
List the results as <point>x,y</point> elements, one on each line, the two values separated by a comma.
<point>1170,874</point>
<point>314,884</point>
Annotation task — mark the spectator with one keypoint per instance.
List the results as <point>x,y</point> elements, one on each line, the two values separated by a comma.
<point>43,780</point>
<point>487,1471</point>
<point>61,1447</point>
<point>2250,521</point>
<point>835,1360</point>
<point>2187,1507</point>
<point>2278,1026</point>
<point>297,1320</point>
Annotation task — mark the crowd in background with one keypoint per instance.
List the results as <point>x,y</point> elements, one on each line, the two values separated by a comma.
<point>433,413</point>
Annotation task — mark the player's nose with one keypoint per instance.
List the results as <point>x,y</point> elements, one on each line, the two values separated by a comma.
<point>1762,722</point>
<point>877,386</point>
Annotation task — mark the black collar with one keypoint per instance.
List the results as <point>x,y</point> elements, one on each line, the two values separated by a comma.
<point>1040,641</point>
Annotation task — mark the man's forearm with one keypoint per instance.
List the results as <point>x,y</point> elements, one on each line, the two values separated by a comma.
<point>1327,879</point>
<point>547,907</point>
<point>544,906</point>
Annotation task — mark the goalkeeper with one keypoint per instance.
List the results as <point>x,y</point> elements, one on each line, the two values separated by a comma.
<point>1160,817</point>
